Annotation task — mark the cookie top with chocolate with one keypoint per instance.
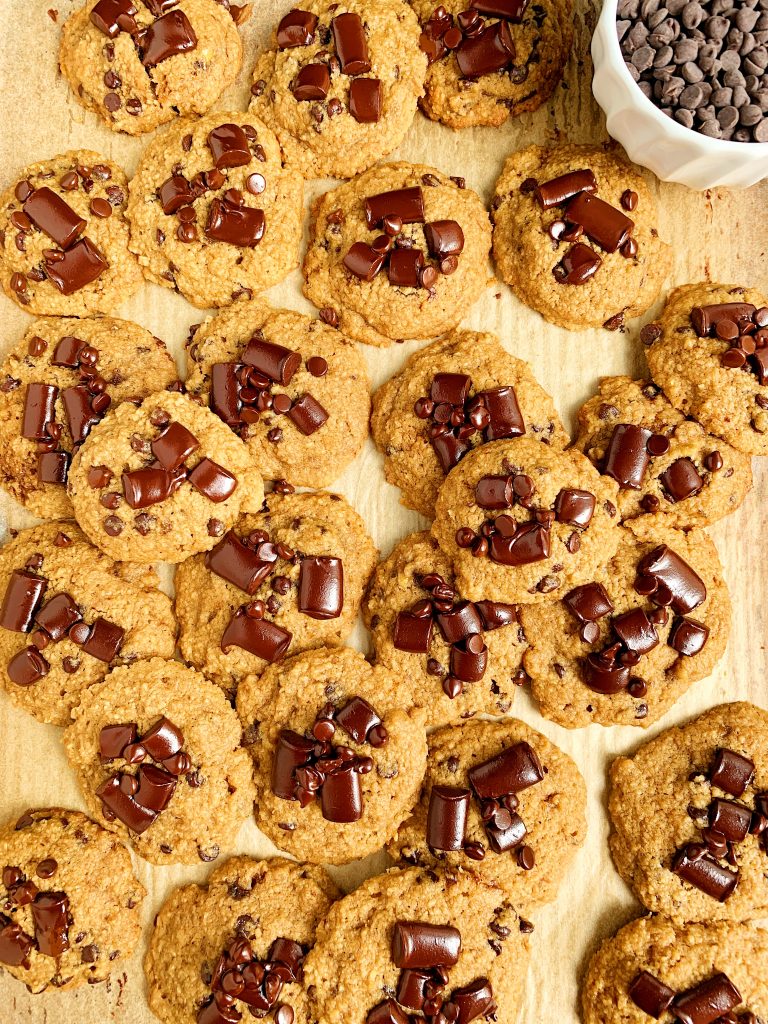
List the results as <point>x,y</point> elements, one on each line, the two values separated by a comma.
<point>708,351</point>
<point>339,754</point>
<point>58,872</point>
<point>449,398</point>
<point>575,236</point>
<point>213,212</point>
<point>664,464</point>
<point>282,581</point>
<point>398,252</point>
<point>624,645</point>
<point>64,237</point>
<point>237,944</point>
<point>69,614</point>
<point>140,63</point>
<point>339,86</point>
<point>161,481</point>
<point>295,390</point>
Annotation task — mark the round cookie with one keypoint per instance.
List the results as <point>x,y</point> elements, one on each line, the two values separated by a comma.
<point>341,793</point>
<point>664,464</point>
<point>428,650</point>
<point>675,798</point>
<point>502,67</point>
<point>68,614</point>
<point>339,87</point>
<point>161,481</point>
<point>437,266</point>
<point>213,212</point>
<point>71,904</point>
<point>64,238</point>
<point>300,566</point>
<point>140,64</point>
<point>156,751</point>
<point>522,522</point>
<point>720,382</point>
<point>465,372</point>
<point>658,963</point>
<point>501,800</point>
<point>250,912</point>
<point>661,598</point>
<point>314,433</point>
<point>63,367</point>
<point>550,204</point>
<point>354,966</point>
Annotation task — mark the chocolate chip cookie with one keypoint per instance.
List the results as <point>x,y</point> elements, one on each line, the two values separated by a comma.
<point>398,252</point>
<point>450,397</point>
<point>575,236</point>
<point>339,87</point>
<point>284,581</point>
<point>623,646</point>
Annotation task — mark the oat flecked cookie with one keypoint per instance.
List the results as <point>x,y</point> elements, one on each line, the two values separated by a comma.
<point>683,810</point>
<point>71,903</point>
<point>140,64</point>
<point>213,212</point>
<point>374,945</point>
<point>64,237</point>
<point>339,754</point>
<point>623,646</point>
<point>61,378</point>
<point>69,614</point>
<point>156,751</point>
<point>161,481</point>
<point>652,965</point>
<point>251,915</point>
<point>469,374</point>
<point>280,582</point>
<point>294,389</point>
<point>493,61</point>
<point>419,286</point>
<point>575,236</point>
<point>709,353</point>
<point>339,84</point>
<point>501,800</point>
<point>523,522</point>
<point>664,463</point>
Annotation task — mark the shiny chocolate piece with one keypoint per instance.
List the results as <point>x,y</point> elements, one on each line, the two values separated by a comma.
<point>685,588</point>
<point>604,674</point>
<point>273,361</point>
<point>405,203</point>
<point>75,268</point>
<point>578,265</point>
<point>257,636</point>
<point>469,659</point>
<point>48,212</point>
<point>26,667</point>
<point>174,445</point>
<point>412,988</point>
<point>688,636</point>
<point>444,238</point>
<point>730,819</point>
<point>225,393</point>
<point>341,797</point>
<point>513,770</point>
<point>363,261</point>
<point>50,914</point>
<point>694,865</point>
<point>707,1002</point>
<point>67,352</point>
<point>113,739</point>
<point>156,787</point>
<point>53,467</point>
<point>506,420</point>
<point>229,146</point>
<point>589,602</point>
<point>574,507</point>
<point>731,772</point>
<point>559,190</point>
<point>366,96</point>
<point>681,480</point>
<point>57,616</point>
<point>114,16</point>
<point>636,631</point>
<point>602,223</point>
<point>476,999</point>
<point>494,492</point>
<point>420,944</point>
<point>39,411</point>
<point>312,82</point>
<point>627,458</point>
<point>387,1012</point>
<point>145,487</point>
<point>163,739</point>
<point>167,37</point>
<point>104,641</point>
<point>404,268</point>
<point>459,622</point>
<point>297,28</point>
<point>79,411</point>
<point>175,193</point>
<point>291,752</point>
<point>505,834</point>
<point>321,587</point>
<point>530,543</point>
<point>239,564</point>
<point>412,633</point>
<point>651,995</point>
<point>16,945</point>
<point>450,388</point>
<point>488,51</point>
<point>449,450</point>
<point>212,480</point>
<point>124,807</point>
<point>357,718</point>
<point>23,595</point>
<point>706,318</point>
<point>351,44</point>
<point>242,226</point>
<point>307,414</point>
<point>447,817</point>
<point>494,615</point>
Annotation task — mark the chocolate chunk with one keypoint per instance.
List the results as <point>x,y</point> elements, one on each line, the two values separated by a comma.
<point>476,999</point>
<point>114,16</point>
<point>684,587</point>
<point>57,615</point>
<point>26,667</point>
<point>239,564</point>
<point>412,988</point>
<point>602,223</point>
<point>297,28</point>
<point>145,487</point>
<point>175,193</point>
<point>23,594</point>
<point>688,636</point>
<point>321,587</point>
<point>449,450</point>
<point>363,261</point>
<point>651,995</point>
<point>156,787</point>
<point>50,914</point>
<point>559,190</point>
<point>79,411</point>
<point>506,420</point>
<point>450,388</point>
<point>731,772</point>
<point>257,636</point>
<point>351,44</point>
<point>495,615</point>
<point>225,393</point>
<point>627,457</point>
<point>603,674</point>
<point>730,819</point>
<point>488,51</point>
<point>706,318</point>
<point>447,817</point>
<point>469,659</point>
<point>423,945</point>
<point>212,480</point>
<point>48,211</point>
<point>574,507</point>
<point>505,831</point>
<point>163,740</point>
<point>16,945</point>
<point>513,770</point>
<point>52,467</point>
<point>124,807</point>
<point>404,268</point>
<point>636,631</point>
<point>459,622</point>
<point>307,414</point>
<point>236,225</point>
<point>113,739</point>
<point>444,238</point>
<point>174,445</point>
<point>530,543</point>
<point>405,203</point>
<point>681,479</point>
<point>291,752</point>
<point>366,96</point>
<point>695,866</point>
<point>277,363</point>
<point>578,265</point>
<point>494,492</point>
<point>67,352</point>
<point>39,411</point>
<point>412,633</point>
<point>75,268</point>
<point>357,718</point>
<point>105,640</point>
<point>706,1002</point>
<point>167,37</point>
<point>229,146</point>
<point>341,798</point>
<point>312,82</point>
<point>387,1012</point>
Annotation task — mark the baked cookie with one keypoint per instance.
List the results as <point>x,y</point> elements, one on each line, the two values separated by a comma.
<point>457,658</point>
<point>497,59</point>
<point>255,918</point>
<point>625,645</point>
<point>64,237</point>
<point>60,379</point>
<point>338,750</point>
<point>449,931</point>
<point>286,580</point>
<point>501,800</point>
<point>688,810</point>
<point>663,463</point>
<point>161,481</point>
<point>213,212</point>
<point>523,522</point>
<point>550,204</point>
<point>339,88</point>
<point>70,901</point>
<point>69,614</point>
<point>398,252</point>
<point>450,397</point>
<point>296,391</point>
<point>655,970</point>
<point>708,351</point>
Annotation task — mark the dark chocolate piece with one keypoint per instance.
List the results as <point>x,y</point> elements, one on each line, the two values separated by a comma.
<point>57,616</point>
<point>731,772</point>
<point>366,96</point>
<point>175,193</point>
<point>225,393</point>
<point>357,718</point>
<point>688,636</point>
<point>297,28</point>
<point>321,587</point>
<point>81,411</point>
<point>412,633</point>
<point>229,146</point>
<point>341,798</point>
<point>114,16</point>
<point>48,212</point>
<point>469,659</point>
<point>707,1002</point>
<point>636,631</point>
<point>50,914</point>
<point>651,995</point>
<point>23,595</point>
<point>104,641</point>
<point>257,636</point>
<point>239,564</point>
<point>242,226</point>
<point>706,318</point>
<point>307,414</point>
<point>26,667</point>
<point>459,622</point>
<point>604,674</point>
<point>277,363</point>
<point>486,52</point>
<point>444,238</point>
<point>423,945</point>
<point>53,467</point>
<point>363,261</point>
<point>156,787</point>
<point>39,411</point>
<point>145,487</point>
<point>506,418</point>
<point>447,817</point>
<point>167,37</point>
<point>291,752</point>
<point>387,1012</point>
<point>578,265</point>
<point>163,739</point>
<point>124,807</point>
<point>494,492</point>
<point>602,223</point>
<point>589,602</point>
<point>174,445</point>
<point>113,739</point>
<point>513,770</point>
<point>75,268</point>
<point>666,568</point>
<point>694,865</point>
<point>404,268</point>
<point>476,999</point>
<point>730,819</point>
<point>494,615</point>
<point>312,82</point>
<point>67,352</point>
<point>212,480</point>
<point>559,190</point>
<point>575,507</point>
<point>681,480</point>
<point>405,203</point>
<point>530,543</point>
<point>351,44</point>
<point>627,457</point>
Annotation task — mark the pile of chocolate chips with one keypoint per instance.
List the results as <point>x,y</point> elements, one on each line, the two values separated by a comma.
<point>744,328</point>
<point>702,63</point>
<point>240,975</point>
<point>706,1003</point>
<point>50,916</point>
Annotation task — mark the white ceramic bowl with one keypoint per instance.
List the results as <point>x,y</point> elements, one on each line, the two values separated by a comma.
<point>671,151</point>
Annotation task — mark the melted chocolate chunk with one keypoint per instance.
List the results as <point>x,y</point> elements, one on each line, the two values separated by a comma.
<point>229,146</point>
<point>529,543</point>
<point>578,265</point>
<point>50,914</point>
<point>627,458</point>
<point>277,363</point>
<point>575,507</point>
<point>312,82</point>
<point>412,633</point>
<point>167,37</point>
<point>57,219</point>
<point>175,193</point>
<point>145,487</point>
<point>651,995</point>
<point>681,480</point>
<point>57,616</point>
<point>75,268</point>
<point>212,480</point>
<point>694,865</point>
<point>239,564</point>
<point>683,590</point>
<point>39,411</point>
<point>114,16</point>
<point>341,797</point>
<point>321,587</point>
<point>688,636</point>
<point>23,595</point>
<point>422,945</point>
<point>366,96</point>
<point>513,770</point>
<point>351,44</point>
<point>405,203</point>
<point>307,414</point>
<point>257,636</point>
<point>363,261</point>
<point>174,445</point>
<point>68,351</point>
<point>444,238</point>
<point>707,1002</point>
<point>27,667</point>
<point>104,641</point>
<point>731,772</point>
<point>559,190</point>
<point>602,223</point>
<point>53,467</point>
<point>242,226</point>
<point>357,718</point>
<point>488,51</point>
<point>447,817</point>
